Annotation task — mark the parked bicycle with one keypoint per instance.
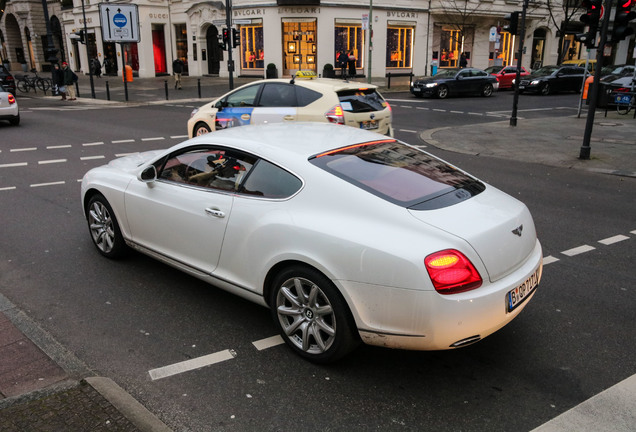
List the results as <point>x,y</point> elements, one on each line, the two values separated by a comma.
<point>624,102</point>
<point>27,82</point>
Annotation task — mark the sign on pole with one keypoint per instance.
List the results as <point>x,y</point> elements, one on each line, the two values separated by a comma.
<point>120,22</point>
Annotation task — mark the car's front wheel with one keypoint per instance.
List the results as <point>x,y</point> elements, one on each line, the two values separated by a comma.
<point>545,89</point>
<point>201,129</point>
<point>442,92</point>
<point>487,90</point>
<point>312,316</point>
<point>104,228</point>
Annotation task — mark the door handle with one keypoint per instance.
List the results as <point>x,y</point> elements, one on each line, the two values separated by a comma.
<point>289,118</point>
<point>215,212</point>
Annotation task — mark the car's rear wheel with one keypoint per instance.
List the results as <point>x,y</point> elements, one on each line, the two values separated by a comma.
<point>15,121</point>
<point>442,92</point>
<point>487,90</point>
<point>104,228</point>
<point>312,316</point>
<point>545,89</point>
<point>201,129</point>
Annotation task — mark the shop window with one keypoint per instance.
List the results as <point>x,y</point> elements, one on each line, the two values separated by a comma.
<point>251,48</point>
<point>299,45</point>
<point>349,37</point>
<point>181,42</point>
<point>399,50</point>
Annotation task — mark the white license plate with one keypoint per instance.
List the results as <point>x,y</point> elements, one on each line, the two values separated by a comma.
<point>519,294</point>
<point>372,124</point>
<point>521,87</point>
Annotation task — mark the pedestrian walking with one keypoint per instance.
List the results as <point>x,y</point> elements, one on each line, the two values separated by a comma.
<point>58,82</point>
<point>351,61</point>
<point>463,61</point>
<point>177,70</point>
<point>343,58</point>
<point>69,81</point>
<point>97,67</point>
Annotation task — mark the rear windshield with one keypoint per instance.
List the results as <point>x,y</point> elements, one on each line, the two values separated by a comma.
<point>401,174</point>
<point>361,100</point>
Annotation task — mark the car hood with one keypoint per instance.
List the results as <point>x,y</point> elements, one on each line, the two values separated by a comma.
<point>426,80</point>
<point>498,227</point>
<point>134,161</point>
<point>536,76</point>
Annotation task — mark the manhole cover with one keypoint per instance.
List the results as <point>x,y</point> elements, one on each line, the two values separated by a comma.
<point>607,124</point>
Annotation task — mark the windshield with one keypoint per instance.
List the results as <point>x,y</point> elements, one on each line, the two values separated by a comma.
<point>446,73</point>
<point>400,173</point>
<point>493,69</point>
<point>361,100</point>
<point>546,70</point>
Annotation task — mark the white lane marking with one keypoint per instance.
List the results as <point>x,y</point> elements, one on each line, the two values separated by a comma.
<point>153,139</point>
<point>578,250</point>
<point>423,108</point>
<point>98,143</point>
<point>23,149</point>
<point>11,165</point>
<point>474,113</point>
<point>457,112</point>
<point>178,136</point>
<point>123,141</point>
<point>92,157</point>
<point>439,110</point>
<point>192,364</point>
<point>8,188</point>
<point>549,260</point>
<point>611,240</point>
<point>407,130</point>
<point>125,154</point>
<point>59,147</point>
<point>51,161</point>
<point>268,342</point>
<point>633,232</point>
<point>48,184</point>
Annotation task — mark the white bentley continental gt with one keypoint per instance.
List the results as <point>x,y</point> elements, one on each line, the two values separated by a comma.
<point>345,234</point>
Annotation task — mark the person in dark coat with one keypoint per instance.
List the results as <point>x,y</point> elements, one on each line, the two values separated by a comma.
<point>463,61</point>
<point>97,67</point>
<point>351,61</point>
<point>343,59</point>
<point>58,82</point>
<point>177,69</point>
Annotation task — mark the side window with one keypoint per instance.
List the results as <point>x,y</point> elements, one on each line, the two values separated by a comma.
<point>464,74</point>
<point>278,95</point>
<point>306,96</point>
<point>208,167</point>
<point>270,181</point>
<point>511,70</point>
<point>243,97</point>
<point>478,73</point>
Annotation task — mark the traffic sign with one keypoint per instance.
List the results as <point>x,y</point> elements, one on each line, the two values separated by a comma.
<point>120,22</point>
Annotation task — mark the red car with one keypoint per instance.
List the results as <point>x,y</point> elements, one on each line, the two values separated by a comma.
<point>505,74</point>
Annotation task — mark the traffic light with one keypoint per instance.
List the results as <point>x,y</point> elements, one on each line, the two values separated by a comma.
<point>226,37</point>
<point>220,41</point>
<point>78,36</point>
<point>621,20</point>
<point>591,17</point>
<point>513,23</point>
<point>236,38</point>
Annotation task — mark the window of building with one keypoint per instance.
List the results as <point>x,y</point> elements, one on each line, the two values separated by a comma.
<point>181,42</point>
<point>454,41</point>
<point>299,44</point>
<point>399,50</point>
<point>349,37</point>
<point>251,49</point>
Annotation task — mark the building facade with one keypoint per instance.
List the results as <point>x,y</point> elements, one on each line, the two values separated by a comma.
<point>392,36</point>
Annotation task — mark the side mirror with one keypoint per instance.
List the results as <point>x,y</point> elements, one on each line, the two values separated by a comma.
<point>220,105</point>
<point>148,174</point>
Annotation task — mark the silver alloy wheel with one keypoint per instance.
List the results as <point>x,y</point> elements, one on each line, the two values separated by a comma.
<point>442,92</point>
<point>201,129</point>
<point>306,315</point>
<point>101,226</point>
<point>487,91</point>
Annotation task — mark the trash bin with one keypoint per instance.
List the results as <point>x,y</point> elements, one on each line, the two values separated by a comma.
<point>604,96</point>
<point>434,67</point>
<point>128,74</point>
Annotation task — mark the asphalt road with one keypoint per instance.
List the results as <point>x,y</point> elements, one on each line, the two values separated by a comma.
<point>127,318</point>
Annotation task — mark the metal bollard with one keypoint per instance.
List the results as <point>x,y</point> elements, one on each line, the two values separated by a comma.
<point>199,86</point>
<point>107,91</point>
<point>165,85</point>
<point>77,89</point>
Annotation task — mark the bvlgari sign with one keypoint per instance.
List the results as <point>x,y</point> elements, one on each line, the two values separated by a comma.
<point>298,2</point>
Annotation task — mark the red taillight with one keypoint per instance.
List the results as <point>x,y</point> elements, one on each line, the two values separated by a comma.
<point>11,99</point>
<point>335,115</point>
<point>451,272</point>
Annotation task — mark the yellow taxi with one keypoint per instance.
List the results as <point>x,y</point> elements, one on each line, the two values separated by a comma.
<point>305,97</point>
<point>591,67</point>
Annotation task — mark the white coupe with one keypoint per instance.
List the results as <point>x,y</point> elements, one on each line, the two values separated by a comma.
<point>345,234</point>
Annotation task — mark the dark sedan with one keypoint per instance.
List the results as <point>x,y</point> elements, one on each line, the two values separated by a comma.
<point>553,79</point>
<point>455,81</point>
<point>6,79</point>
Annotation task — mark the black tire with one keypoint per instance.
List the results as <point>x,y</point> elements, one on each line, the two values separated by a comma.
<point>442,92</point>
<point>545,89</point>
<point>312,316</point>
<point>23,86</point>
<point>43,84</point>
<point>15,121</point>
<point>487,90</point>
<point>623,109</point>
<point>104,228</point>
<point>200,129</point>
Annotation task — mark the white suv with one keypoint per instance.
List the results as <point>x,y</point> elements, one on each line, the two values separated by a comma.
<point>303,98</point>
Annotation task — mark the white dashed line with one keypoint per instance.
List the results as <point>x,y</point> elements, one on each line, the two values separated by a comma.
<point>457,112</point>
<point>549,260</point>
<point>51,161</point>
<point>578,250</point>
<point>153,139</point>
<point>407,130</point>
<point>192,364</point>
<point>439,110</point>
<point>125,154</point>
<point>23,149</point>
<point>268,342</point>
<point>474,113</point>
<point>7,188</point>
<point>59,147</point>
<point>93,144</point>
<point>123,141</point>
<point>178,136</point>
<point>11,165</point>
<point>47,184</point>
<point>612,240</point>
<point>92,157</point>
